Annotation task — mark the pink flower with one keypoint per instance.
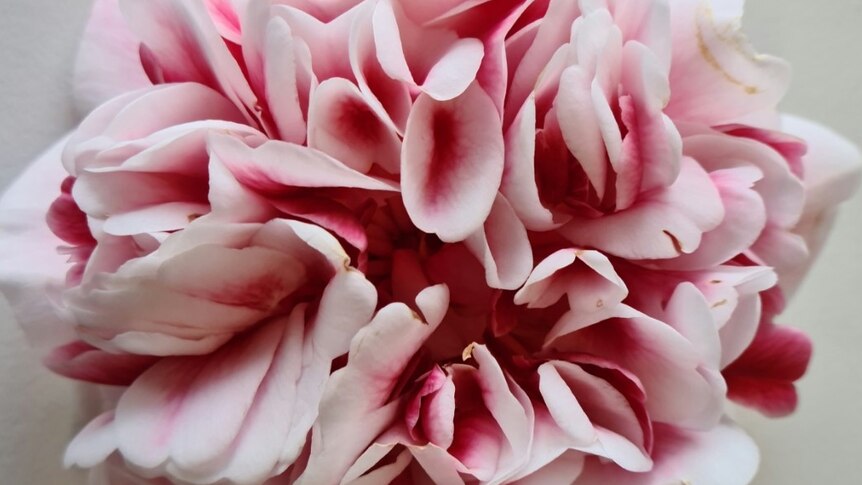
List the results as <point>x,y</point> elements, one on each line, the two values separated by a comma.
<point>400,241</point>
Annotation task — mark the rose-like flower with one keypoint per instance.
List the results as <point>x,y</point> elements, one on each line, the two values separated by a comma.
<point>400,241</point>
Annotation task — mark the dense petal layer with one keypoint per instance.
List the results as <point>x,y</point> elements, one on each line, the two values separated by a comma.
<point>452,163</point>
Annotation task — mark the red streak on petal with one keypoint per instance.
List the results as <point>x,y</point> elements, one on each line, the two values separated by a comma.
<point>445,155</point>
<point>358,123</point>
<point>764,375</point>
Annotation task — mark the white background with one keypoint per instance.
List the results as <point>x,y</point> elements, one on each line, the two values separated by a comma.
<point>821,444</point>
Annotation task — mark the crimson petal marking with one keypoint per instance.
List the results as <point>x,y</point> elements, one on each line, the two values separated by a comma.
<point>763,376</point>
<point>354,410</point>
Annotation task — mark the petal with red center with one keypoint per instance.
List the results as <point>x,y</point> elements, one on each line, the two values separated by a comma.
<point>343,125</point>
<point>452,163</point>
<point>716,77</point>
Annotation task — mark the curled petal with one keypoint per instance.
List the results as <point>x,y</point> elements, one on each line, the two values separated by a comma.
<point>724,455</point>
<point>716,77</point>
<point>503,247</point>
<point>354,409</point>
<point>665,224</point>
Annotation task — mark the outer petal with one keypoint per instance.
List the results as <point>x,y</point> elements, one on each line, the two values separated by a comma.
<point>723,456</point>
<point>173,302</point>
<point>32,271</point>
<point>452,163</point>
<point>503,247</point>
<point>261,388</point>
<point>342,124</point>
<point>109,61</point>
<point>763,376</point>
<point>716,77</point>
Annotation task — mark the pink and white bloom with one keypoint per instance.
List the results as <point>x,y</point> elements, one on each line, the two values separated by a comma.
<point>400,241</point>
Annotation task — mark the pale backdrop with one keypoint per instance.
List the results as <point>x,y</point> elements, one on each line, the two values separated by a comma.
<point>821,444</point>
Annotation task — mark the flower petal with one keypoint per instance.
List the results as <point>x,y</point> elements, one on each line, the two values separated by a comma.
<point>452,163</point>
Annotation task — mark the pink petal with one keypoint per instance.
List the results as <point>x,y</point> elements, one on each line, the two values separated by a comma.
<point>84,362</point>
<point>519,177</point>
<point>502,401</point>
<point>108,61</point>
<point>279,71</point>
<point>664,224</point>
<point>553,31</point>
<point>452,163</point>
<point>503,247</point>
<point>716,77</point>
<point>744,221</point>
<point>763,377</point>
<point>354,408</point>
<point>663,360</point>
<point>342,124</point>
<point>32,271</point>
<point>724,455</point>
<point>187,47</point>
<point>652,143</point>
<point>388,97</point>
<point>579,125</point>
<point>433,59</point>
<point>276,166</point>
